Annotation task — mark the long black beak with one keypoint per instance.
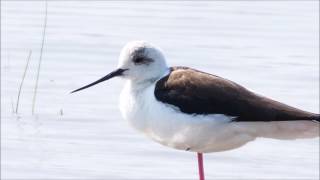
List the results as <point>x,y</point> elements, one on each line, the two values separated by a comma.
<point>115,73</point>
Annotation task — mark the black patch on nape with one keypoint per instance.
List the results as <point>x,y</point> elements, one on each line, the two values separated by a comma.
<point>141,58</point>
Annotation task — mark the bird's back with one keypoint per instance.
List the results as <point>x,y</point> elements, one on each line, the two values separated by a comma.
<point>196,92</point>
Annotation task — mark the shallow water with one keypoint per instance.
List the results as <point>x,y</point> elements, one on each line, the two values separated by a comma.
<point>270,47</point>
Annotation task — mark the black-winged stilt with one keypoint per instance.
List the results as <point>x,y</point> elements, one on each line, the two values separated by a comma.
<point>190,110</point>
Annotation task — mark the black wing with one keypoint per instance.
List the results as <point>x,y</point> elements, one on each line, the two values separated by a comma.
<point>195,92</point>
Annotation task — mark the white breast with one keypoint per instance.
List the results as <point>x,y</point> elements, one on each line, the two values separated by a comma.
<point>167,125</point>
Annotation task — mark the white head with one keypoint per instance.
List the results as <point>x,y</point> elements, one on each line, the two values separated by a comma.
<point>142,61</point>
<point>139,61</point>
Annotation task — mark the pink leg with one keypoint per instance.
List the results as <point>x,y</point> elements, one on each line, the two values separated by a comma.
<point>200,166</point>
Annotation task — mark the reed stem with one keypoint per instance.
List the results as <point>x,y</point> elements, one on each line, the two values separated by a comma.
<point>22,81</point>
<point>40,59</point>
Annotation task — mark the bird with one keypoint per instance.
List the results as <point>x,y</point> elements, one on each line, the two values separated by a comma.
<point>191,110</point>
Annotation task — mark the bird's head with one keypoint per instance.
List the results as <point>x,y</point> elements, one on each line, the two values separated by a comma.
<point>139,61</point>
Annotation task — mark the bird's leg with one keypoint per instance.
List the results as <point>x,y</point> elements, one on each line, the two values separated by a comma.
<point>200,166</point>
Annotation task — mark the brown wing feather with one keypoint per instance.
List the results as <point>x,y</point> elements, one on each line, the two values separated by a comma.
<point>196,92</point>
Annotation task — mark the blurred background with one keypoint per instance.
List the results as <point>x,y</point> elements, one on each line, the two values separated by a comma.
<point>270,47</point>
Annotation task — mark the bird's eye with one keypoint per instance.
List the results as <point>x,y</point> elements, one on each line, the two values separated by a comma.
<point>138,60</point>
<point>142,61</point>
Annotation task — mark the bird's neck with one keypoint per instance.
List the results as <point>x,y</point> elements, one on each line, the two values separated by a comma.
<point>140,85</point>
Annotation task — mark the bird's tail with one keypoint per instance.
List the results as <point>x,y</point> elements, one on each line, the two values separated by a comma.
<point>316,118</point>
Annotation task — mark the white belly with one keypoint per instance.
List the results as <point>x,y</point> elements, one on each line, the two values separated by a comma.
<point>200,133</point>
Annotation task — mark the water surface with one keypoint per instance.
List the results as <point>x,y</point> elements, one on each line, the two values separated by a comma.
<point>270,47</point>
